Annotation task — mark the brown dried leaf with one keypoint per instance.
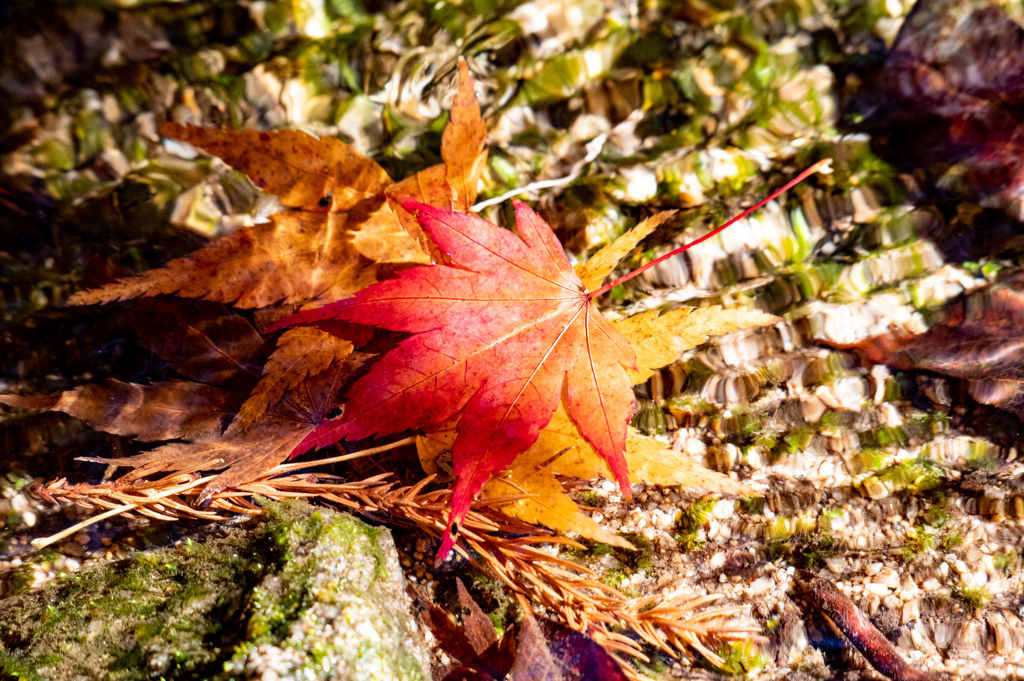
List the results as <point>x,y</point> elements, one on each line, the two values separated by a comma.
<point>478,626</point>
<point>306,172</point>
<point>452,184</point>
<point>296,257</point>
<point>160,411</point>
<point>383,239</point>
<point>462,144</point>
<point>301,352</point>
<point>428,186</point>
<point>33,402</point>
<point>248,454</point>
<point>201,341</point>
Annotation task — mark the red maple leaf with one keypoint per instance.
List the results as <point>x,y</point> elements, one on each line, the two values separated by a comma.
<point>499,336</point>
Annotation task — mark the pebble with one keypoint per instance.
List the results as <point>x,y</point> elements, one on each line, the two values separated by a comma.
<point>877,589</point>
<point>889,578</point>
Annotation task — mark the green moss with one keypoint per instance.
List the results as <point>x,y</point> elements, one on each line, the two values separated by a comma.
<point>952,540</point>
<point>752,506</point>
<point>922,540</point>
<point>640,559</point>
<point>1007,563</point>
<point>690,522</point>
<point>913,475</point>
<point>975,596</point>
<point>489,594</point>
<point>171,612</point>
<point>591,549</point>
<point>741,659</point>
<point>589,497</point>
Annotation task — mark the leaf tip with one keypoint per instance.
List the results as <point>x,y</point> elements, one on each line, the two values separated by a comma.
<point>451,533</point>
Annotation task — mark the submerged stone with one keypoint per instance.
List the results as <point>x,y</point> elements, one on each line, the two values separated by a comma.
<point>302,593</point>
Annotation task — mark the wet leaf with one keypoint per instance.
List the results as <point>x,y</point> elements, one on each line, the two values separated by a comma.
<point>951,89</point>
<point>981,338</point>
<point>206,343</point>
<point>160,411</point>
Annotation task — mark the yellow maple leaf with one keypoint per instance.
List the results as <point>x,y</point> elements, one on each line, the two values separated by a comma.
<point>601,264</point>
<point>658,339</point>
<point>547,503</point>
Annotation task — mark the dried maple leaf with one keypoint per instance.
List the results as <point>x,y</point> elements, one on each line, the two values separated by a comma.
<point>341,237</point>
<point>297,256</point>
<point>452,184</point>
<point>158,411</point>
<point>245,455</point>
<point>300,353</point>
<point>497,338</point>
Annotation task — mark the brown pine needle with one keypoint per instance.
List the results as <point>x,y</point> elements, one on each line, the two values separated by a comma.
<point>506,547</point>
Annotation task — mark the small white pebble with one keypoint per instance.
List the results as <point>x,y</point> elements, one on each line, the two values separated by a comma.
<point>877,589</point>
<point>911,610</point>
<point>888,577</point>
<point>761,585</point>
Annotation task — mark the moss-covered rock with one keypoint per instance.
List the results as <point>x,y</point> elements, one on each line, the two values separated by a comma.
<point>303,593</point>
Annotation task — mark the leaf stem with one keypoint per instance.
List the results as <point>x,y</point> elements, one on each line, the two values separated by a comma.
<point>820,166</point>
